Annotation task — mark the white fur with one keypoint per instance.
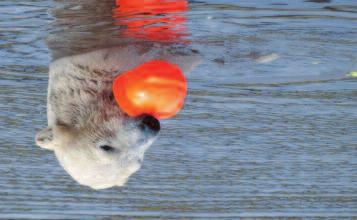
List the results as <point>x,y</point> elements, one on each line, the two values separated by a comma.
<point>82,115</point>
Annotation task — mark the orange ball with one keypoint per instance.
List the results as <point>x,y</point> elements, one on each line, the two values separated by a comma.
<point>157,88</point>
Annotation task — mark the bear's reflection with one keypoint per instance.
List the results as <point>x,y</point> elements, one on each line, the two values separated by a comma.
<point>94,141</point>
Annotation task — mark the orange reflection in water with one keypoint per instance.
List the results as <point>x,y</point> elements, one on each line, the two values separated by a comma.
<point>154,20</point>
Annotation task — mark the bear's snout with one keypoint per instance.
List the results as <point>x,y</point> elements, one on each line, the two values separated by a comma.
<point>150,122</point>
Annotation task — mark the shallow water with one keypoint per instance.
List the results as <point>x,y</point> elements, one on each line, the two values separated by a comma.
<point>257,137</point>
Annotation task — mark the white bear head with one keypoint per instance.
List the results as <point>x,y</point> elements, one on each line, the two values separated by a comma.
<point>94,141</point>
<point>101,155</point>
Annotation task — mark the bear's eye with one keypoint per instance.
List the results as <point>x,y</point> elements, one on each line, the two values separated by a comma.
<point>107,148</point>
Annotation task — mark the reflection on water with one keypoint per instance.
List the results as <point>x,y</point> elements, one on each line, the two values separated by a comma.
<point>268,128</point>
<point>154,20</point>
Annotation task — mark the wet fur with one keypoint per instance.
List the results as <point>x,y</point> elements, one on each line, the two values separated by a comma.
<point>83,115</point>
<point>81,111</point>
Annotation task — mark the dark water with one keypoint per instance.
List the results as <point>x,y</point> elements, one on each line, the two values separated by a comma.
<point>269,128</point>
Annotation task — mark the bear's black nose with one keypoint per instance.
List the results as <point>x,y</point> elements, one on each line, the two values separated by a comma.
<point>150,122</point>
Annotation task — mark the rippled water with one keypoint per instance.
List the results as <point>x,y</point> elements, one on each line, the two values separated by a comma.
<point>268,130</point>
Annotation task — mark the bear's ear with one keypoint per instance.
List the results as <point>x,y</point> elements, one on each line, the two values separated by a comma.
<point>44,138</point>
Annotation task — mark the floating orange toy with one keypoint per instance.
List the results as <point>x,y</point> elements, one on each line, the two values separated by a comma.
<point>157,88</point>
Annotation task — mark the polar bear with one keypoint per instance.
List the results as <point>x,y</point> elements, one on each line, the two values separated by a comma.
<point>93,139</point>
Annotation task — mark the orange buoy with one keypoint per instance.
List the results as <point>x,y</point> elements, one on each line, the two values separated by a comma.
<point>157,88</point>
